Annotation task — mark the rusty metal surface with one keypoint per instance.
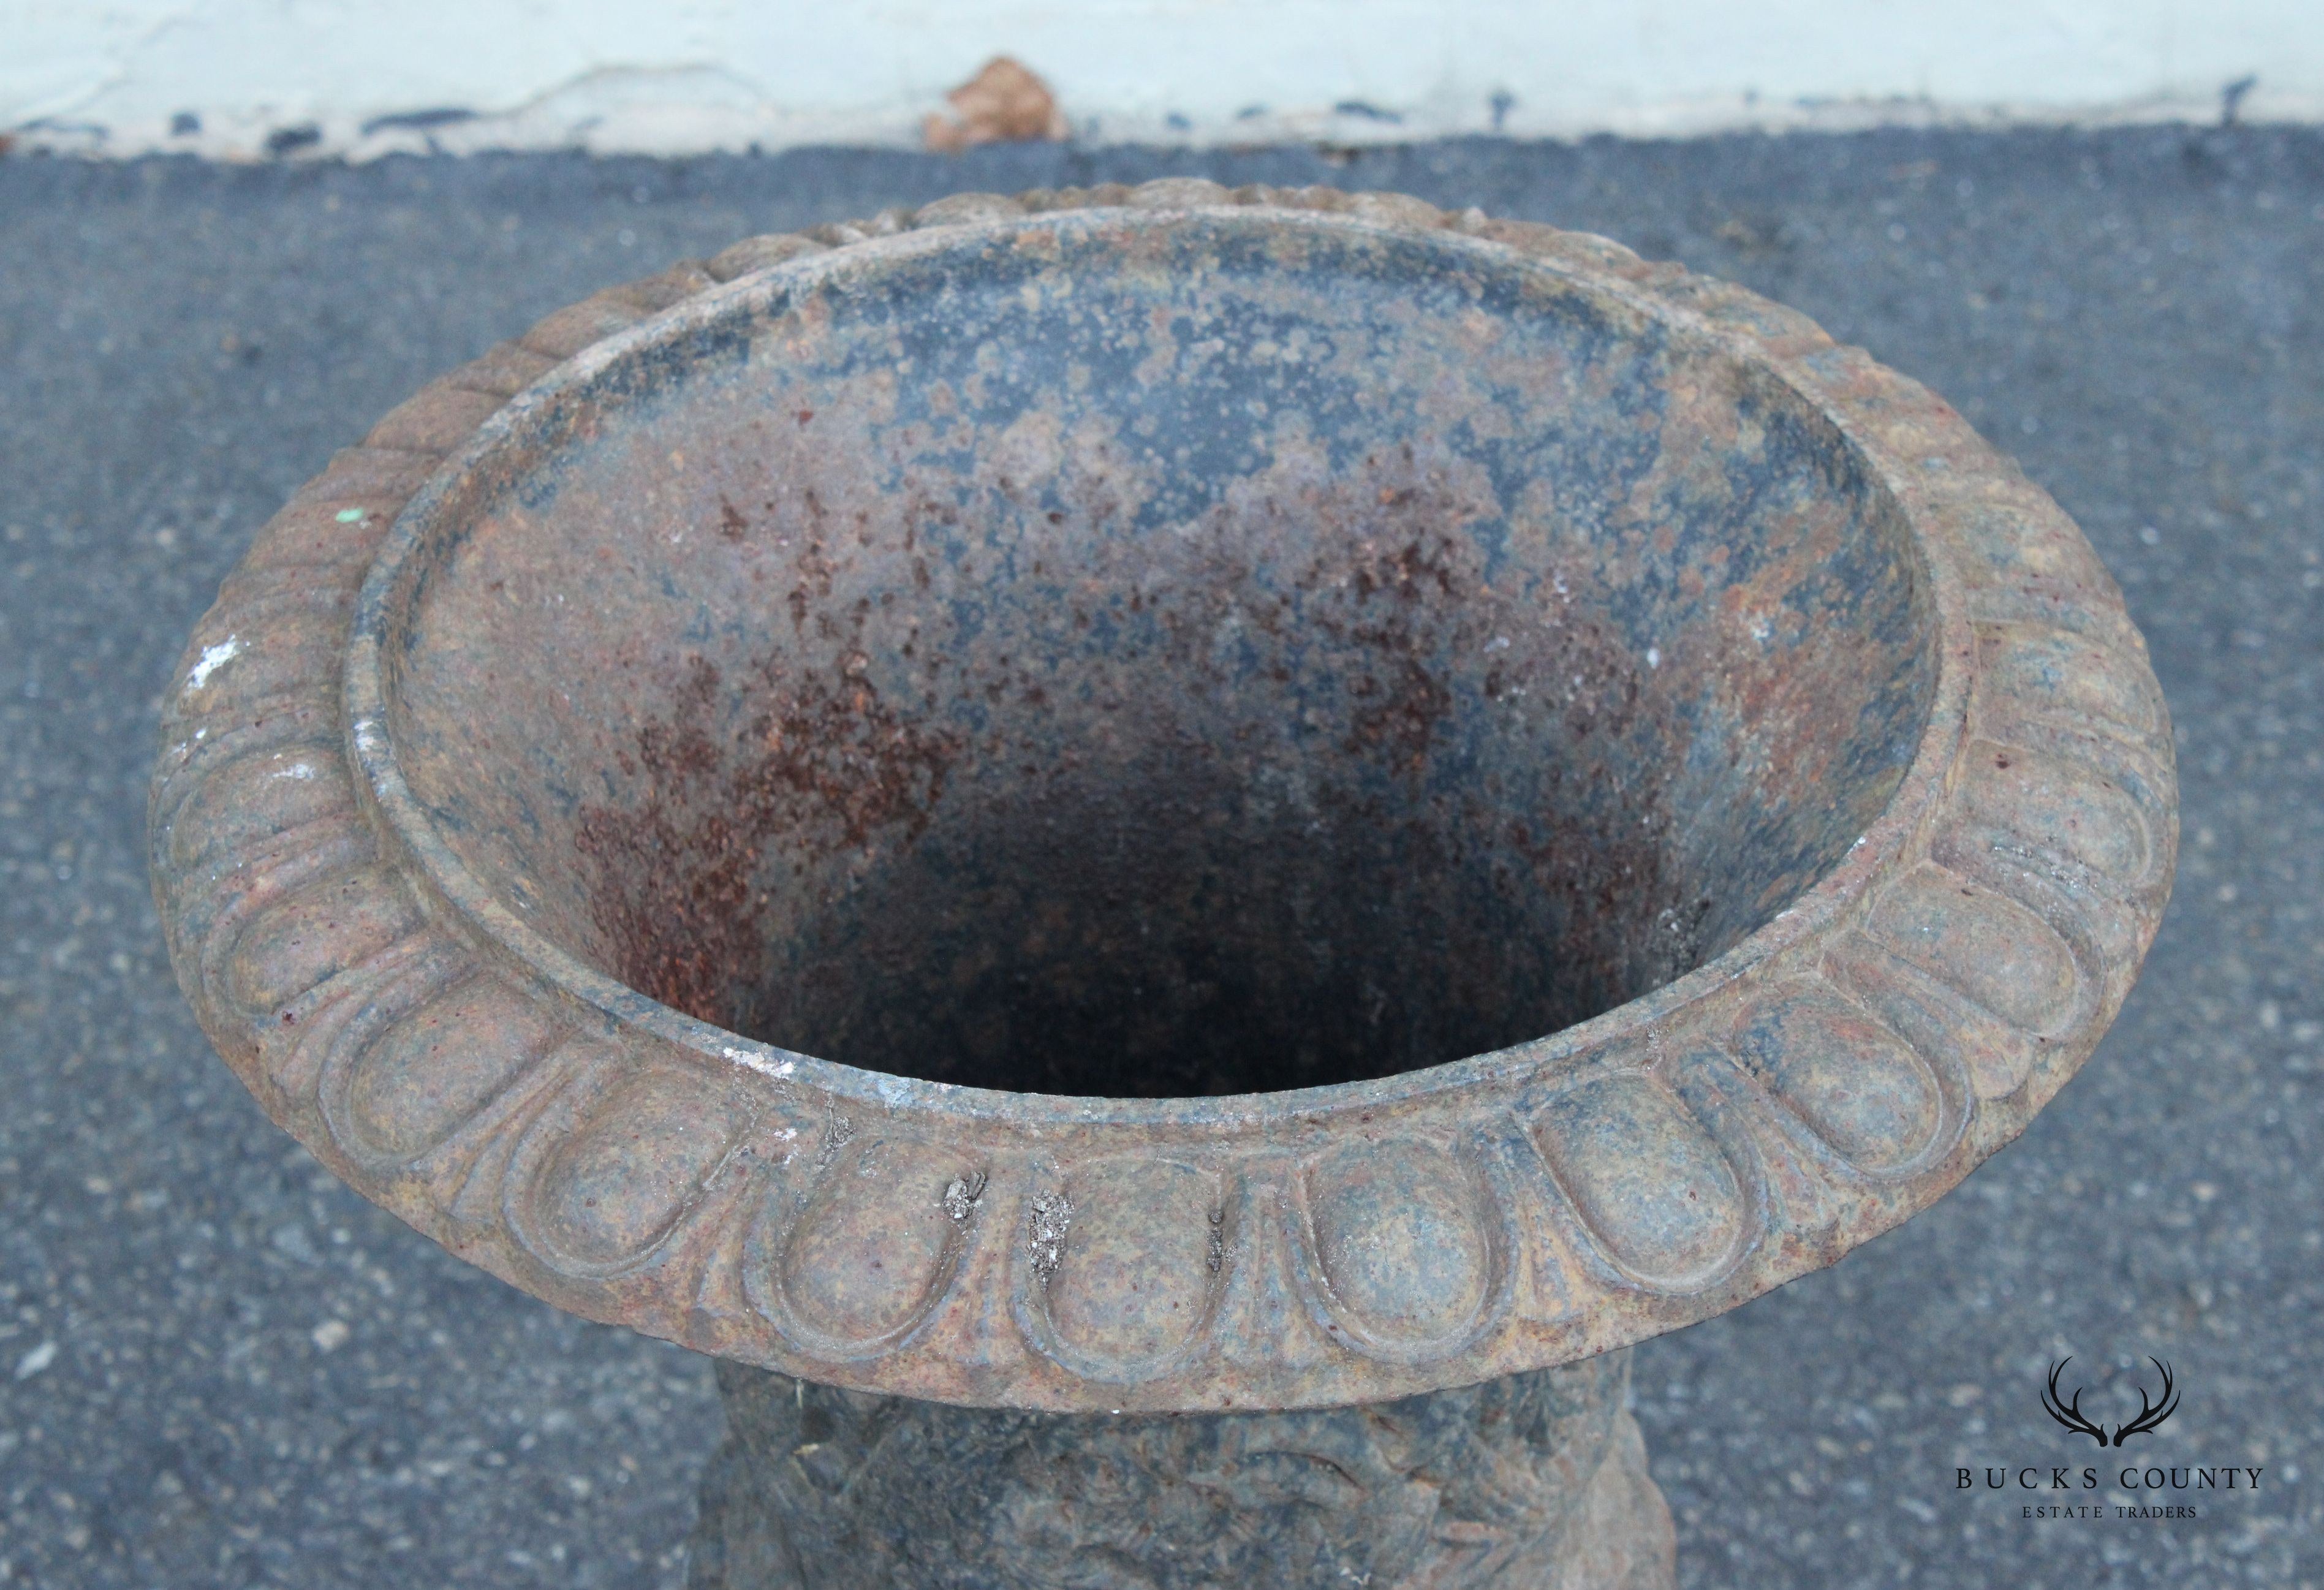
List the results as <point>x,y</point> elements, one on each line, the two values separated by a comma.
<point>1152,647</point>
<point>1532,1482</point>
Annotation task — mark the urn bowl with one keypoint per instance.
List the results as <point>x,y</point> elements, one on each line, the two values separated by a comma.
<point>1163,798</point>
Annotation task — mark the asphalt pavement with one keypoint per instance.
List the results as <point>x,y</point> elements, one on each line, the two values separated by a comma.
<point>219,1368</point>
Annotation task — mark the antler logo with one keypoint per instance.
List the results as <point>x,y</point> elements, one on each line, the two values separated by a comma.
<point>2067,1411</point>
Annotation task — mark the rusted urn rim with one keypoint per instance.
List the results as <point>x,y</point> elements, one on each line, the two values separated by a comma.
<point>1829,1075</point>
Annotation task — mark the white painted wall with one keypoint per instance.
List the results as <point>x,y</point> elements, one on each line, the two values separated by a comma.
<point>670,76</point>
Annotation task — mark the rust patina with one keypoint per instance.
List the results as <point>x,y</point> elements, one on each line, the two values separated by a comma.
<point>1163,800</point>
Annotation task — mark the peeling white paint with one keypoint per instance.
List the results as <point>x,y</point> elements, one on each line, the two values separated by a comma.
<point>780,1071</point>
<point>226,78</point>
<point>212,659</point>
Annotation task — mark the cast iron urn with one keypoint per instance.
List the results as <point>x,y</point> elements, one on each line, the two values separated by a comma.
<point>1165,857</point>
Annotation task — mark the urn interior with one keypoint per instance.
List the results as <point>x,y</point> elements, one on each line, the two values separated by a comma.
<point>1147,657</point>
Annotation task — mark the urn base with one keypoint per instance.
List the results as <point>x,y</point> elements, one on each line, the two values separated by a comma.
<point>1532,1482</point>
